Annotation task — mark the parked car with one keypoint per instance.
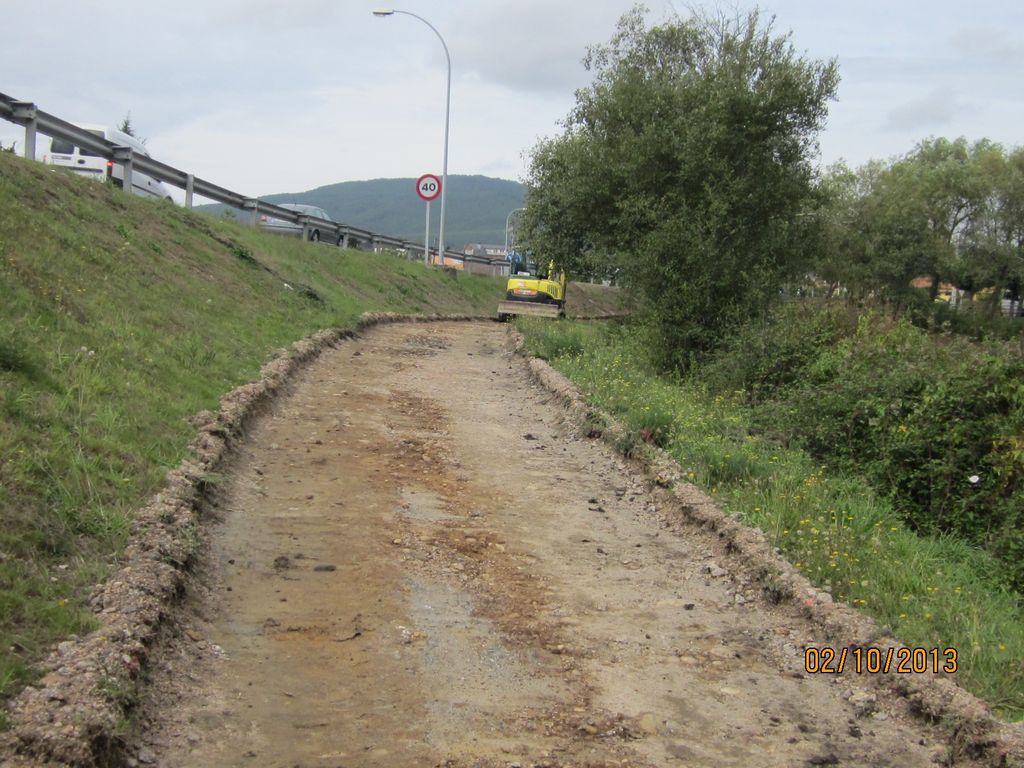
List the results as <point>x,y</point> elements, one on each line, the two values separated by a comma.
<point>283,227</point>
<point>84,162</point>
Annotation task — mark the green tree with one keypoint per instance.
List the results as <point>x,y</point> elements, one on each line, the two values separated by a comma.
<point>949,183</point>
<point>853,254</point>
<point>992,246</point>
<point>686,166</point>
<point>944,211</point>
<point>1010,218</point>
<point>125,126</point>
<point>565,213</point>
<point>891,223</point>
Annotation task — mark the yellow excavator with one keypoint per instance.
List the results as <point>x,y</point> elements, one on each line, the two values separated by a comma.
<point>533,291</point>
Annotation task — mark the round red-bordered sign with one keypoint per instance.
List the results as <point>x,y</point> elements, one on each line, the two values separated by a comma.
<point>428,187</point>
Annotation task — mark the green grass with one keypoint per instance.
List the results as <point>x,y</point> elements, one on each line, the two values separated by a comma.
<point>933,592</point>
<point>120,318</point>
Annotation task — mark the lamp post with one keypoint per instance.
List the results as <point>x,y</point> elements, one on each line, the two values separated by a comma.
<point>382,12</point>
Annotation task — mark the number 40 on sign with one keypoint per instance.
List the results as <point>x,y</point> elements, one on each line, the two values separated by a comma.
<point>428,187</point>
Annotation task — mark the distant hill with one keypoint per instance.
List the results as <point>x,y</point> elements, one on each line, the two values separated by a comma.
<point>477,207</point>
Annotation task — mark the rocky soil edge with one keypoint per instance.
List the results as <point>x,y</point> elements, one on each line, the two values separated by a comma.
<point>971,729</point>
<point>75,714</point>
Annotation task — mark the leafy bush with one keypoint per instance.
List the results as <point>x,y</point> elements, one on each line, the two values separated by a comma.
<point>934,422</point>
<point>768,354</point>
<point>973,320</point>
<point>954,463</point>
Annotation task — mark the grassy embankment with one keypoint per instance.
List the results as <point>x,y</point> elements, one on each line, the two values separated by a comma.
<point>932,591</point>
<point>119,318</point>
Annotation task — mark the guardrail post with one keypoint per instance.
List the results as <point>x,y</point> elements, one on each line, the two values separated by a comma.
<point>25,112</point>
<point>304,221</point>
<point>252,204</point>
<point>123,155</point>
<point>344,239</point>
<point>190,188</point>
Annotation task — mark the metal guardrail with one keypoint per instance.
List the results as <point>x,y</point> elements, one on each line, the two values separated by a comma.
<point>38,122</point>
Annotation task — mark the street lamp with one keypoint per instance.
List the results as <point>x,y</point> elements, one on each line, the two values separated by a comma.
<point>382,12</point>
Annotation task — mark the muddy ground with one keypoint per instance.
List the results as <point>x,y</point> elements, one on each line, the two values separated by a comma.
<point>415,562</point>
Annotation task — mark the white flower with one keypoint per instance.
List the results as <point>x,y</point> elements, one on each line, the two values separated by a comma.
<point>973,479</point>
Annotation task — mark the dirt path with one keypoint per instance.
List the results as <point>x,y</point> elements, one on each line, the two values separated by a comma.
<point>415,564</point>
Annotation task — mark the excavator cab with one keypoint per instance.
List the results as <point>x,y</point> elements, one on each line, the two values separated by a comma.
<point>521,266</point>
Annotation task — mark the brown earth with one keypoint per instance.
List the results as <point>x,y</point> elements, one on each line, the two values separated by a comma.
<point>590,300</point>
<point>416,561</point>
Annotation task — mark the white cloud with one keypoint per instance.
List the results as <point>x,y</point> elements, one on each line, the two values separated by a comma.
<point>926,115</point>
<point>991,44</point>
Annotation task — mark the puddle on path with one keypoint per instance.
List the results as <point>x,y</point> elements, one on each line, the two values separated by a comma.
<point>424,506</point>
<point>480,685</point>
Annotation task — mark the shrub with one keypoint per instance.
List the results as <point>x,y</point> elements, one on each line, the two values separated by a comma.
<point>933,421</point>
<point>768,354</point>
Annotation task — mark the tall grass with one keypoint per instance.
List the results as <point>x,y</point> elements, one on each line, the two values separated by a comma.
<point>931,591</point>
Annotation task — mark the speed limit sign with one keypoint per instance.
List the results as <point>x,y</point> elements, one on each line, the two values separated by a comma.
<point>428,187</point>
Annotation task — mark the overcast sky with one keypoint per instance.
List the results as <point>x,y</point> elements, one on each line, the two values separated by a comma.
<point>265,96</point>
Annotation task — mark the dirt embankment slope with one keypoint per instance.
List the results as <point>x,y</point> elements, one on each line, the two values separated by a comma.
<point>414,561</point>
<point>591,300</point>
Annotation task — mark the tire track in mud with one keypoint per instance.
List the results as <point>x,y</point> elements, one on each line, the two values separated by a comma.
<point>415,563</point>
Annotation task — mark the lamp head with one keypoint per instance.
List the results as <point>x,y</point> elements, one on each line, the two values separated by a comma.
<point>383,12</point>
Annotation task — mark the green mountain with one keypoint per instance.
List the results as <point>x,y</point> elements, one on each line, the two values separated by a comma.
<point>477,207</point>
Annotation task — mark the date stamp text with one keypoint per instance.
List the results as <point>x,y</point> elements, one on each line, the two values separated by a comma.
<point>874,661</point>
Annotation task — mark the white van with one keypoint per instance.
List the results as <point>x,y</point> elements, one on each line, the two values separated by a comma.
<point>67,155</point>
